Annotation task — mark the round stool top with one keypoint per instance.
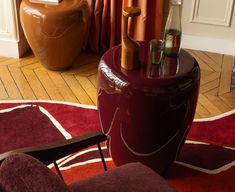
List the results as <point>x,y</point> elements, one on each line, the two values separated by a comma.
<point>54,18</point>
<point>64,5</point>
<point>170,72</point>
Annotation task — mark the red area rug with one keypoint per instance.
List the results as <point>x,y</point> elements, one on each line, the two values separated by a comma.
<point>206,162</point>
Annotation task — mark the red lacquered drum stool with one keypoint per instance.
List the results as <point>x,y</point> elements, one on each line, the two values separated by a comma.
<point>146,118</point>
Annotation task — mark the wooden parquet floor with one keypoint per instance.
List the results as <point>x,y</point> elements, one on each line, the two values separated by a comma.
<point>26,78</point>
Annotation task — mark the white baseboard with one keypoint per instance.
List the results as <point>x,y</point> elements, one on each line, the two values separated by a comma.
<point>208,44</point>
<point>13,48</point>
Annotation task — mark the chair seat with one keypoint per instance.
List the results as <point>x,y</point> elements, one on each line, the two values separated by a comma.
<point>131,177</point>
<point>23,173</point>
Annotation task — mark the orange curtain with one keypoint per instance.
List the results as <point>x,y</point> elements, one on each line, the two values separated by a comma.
<point>105,27</point>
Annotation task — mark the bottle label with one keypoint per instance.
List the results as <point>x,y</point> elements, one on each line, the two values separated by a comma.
<point>172,42</point>
<point>169,41</point>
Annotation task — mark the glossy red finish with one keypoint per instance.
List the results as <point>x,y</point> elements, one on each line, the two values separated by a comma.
<point>147,118</point>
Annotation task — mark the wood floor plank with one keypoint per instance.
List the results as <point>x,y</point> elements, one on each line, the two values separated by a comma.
<point>33,66</point>
<point>61,84</point>
<point>77,89</point>
<point>9,83</point>
<point>206,103</point>
<point>210,86</point>
<point>84,70</point>
<point>211,77</point>
<point>210,62</point>
<point>219,103</point>
<point>229,99</point>
<point>22,83</point>
<point>93,79</point>
<point>25,63</point>
<point>197,116</point>
<point>35,84</point>
<point>213,92</point>
<point>88,87</point>
<point>4,59</point>
<point>205,73</point>
<point>48,84</point>
<point>202,64</point>
<point>11,61</point>
<point>89,72</point>
<point>226,74</point>
<point>202,111</point>
<point>218,58</point>
<point>28,59</point>
<point>3,92</point>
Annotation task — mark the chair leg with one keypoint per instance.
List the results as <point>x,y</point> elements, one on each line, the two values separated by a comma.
<point>58,171</point>
<point>102,157</point>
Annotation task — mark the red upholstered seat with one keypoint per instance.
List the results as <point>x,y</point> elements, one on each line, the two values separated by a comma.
<point>23,173</point>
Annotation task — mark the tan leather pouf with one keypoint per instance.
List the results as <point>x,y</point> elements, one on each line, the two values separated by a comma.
<point>55,33</point>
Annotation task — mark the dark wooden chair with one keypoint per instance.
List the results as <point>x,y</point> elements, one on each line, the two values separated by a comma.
<point>50,153</point>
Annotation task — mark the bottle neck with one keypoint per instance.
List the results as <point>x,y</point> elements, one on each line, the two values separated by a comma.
<point>174,18</point>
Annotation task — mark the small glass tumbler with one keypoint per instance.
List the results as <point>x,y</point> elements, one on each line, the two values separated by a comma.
<point>156,48</point>
<point>156,51</point>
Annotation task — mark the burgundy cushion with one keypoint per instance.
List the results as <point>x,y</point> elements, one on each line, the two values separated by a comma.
<point>22,173</point>
<point>132,177</point>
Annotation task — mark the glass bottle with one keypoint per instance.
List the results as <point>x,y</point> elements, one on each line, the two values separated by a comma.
<point>172,33</point>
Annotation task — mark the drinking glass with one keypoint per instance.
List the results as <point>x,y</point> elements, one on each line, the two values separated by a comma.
<point>156,51</point>
<point>155,57</point>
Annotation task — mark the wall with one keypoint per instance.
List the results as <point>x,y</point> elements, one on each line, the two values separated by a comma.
<point>12,40</point>
<point>209,25</point>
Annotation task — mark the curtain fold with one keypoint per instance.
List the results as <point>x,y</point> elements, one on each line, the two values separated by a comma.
<point>105,25</point>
